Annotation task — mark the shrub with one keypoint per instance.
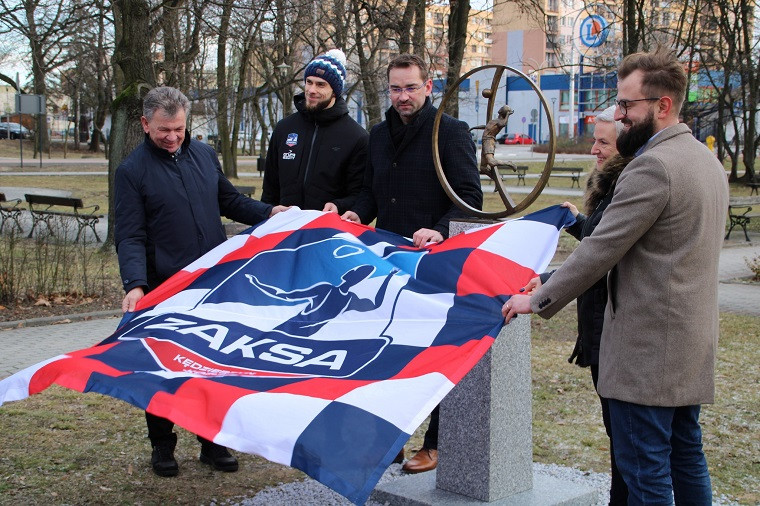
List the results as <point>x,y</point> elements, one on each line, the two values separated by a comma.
<point>50,263</point>
<point>754,266</point>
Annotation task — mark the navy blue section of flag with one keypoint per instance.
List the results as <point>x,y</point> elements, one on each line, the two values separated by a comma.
<point>312,341</point>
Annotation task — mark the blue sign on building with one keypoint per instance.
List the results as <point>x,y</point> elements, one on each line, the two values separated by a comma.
<point>593,31</point>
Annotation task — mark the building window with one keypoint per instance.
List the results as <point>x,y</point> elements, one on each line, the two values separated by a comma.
<point>551,24</point>
<point>564,100</point>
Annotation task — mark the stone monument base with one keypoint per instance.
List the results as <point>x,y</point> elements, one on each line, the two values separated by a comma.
<point>420,490</point>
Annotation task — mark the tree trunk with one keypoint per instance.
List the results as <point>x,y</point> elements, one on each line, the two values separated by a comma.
<point>418,35</point>
<point>750,76</point>
<point>369,84</point>
<point>237,111</point>
<point>133,65</point>
<point>38,72</point>
<point>458,16</point>
<point>630,27</point>
<point>405,27</point>
<point>222,93</point>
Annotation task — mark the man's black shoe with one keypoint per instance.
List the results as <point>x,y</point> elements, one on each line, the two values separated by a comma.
<point>218,457</point>
<point>162,458</point>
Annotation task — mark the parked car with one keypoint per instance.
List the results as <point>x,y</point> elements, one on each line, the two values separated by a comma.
<point>514,139</point>
<point>13,131</point>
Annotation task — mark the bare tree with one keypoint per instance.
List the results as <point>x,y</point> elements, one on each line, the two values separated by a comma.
<point>47,27</point>
<point>135,75</point>
<point>369,41</point>
<point>459,11</point>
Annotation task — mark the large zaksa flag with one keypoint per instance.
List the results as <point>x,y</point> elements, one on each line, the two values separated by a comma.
<point>312,341</point>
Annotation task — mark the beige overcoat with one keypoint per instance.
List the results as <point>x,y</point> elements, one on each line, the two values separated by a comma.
<point>660,239</point>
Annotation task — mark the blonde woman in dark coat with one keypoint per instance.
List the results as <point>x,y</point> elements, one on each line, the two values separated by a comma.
<point>591,303</point>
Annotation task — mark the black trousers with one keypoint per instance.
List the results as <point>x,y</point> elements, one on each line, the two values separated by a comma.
<point>160,430</point>
<point>618,488</point>
<point>431,434</point>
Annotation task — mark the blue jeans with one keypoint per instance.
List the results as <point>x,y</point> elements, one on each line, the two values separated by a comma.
<point>659,453</point>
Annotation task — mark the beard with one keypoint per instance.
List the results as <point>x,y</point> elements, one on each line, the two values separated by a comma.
<point>319,105</point>
<point>631,140</point>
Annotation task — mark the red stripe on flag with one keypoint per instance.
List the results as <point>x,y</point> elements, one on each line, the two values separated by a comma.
<point>492,275</point>
<point>168,288</point>
<point>72,372</point>
<point>473,240</point>
<point>199,405</point>
<point>255,245</point>
<point>322,388</point>
<point>333,220</point>
<point>451,361</point>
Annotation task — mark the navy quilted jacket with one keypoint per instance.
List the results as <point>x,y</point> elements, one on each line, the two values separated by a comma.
<point>168,210</point>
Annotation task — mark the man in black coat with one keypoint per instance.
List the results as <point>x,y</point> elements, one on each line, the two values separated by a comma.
<point>401,188</point>
<point>317,154</point>
<point>170,193</point>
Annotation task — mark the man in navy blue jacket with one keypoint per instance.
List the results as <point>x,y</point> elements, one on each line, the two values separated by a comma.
<point>170,194</point>
<point>401,188</point>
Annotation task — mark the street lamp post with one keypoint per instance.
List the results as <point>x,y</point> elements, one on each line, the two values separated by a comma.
<point>593,32</point>
<point>554,114</point>
<point>535,75</point>
<point>283,69</point>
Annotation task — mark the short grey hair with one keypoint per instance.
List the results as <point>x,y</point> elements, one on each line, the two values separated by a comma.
<point>169,99</point>
<point>608,115</point>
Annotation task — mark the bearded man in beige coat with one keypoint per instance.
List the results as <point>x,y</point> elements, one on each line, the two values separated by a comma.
<point>660,240</point>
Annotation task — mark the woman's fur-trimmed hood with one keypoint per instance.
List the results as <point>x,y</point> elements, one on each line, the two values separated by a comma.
<point>602,181</point>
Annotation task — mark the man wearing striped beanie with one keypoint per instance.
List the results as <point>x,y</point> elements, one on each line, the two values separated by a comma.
<point>317,155</point>
<point>331,68</point>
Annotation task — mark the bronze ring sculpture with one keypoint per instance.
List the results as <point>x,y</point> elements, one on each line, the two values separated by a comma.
<point>487,165</point>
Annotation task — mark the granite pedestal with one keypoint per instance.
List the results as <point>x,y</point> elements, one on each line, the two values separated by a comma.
<point>485,437</point>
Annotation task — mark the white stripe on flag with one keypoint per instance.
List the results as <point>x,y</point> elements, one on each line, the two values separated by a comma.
<point>16,387</point>
<point>269,424</point>
<point>403,402</point>
<point>521,240</point>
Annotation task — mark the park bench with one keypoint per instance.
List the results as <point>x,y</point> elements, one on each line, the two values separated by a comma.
<point>572,172</point>
<point>506,173</point>
<point>50,207</point>
<point>740,213</point>
<point>246,190</point>
<point>754,185</point>
<point>521,171</point>
<point>10,211</point>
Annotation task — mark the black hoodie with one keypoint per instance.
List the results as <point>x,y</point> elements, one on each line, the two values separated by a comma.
<point>315,158</point>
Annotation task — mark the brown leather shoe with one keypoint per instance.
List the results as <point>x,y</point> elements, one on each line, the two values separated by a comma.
<point>425,460</point>
<point>400,457</point>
